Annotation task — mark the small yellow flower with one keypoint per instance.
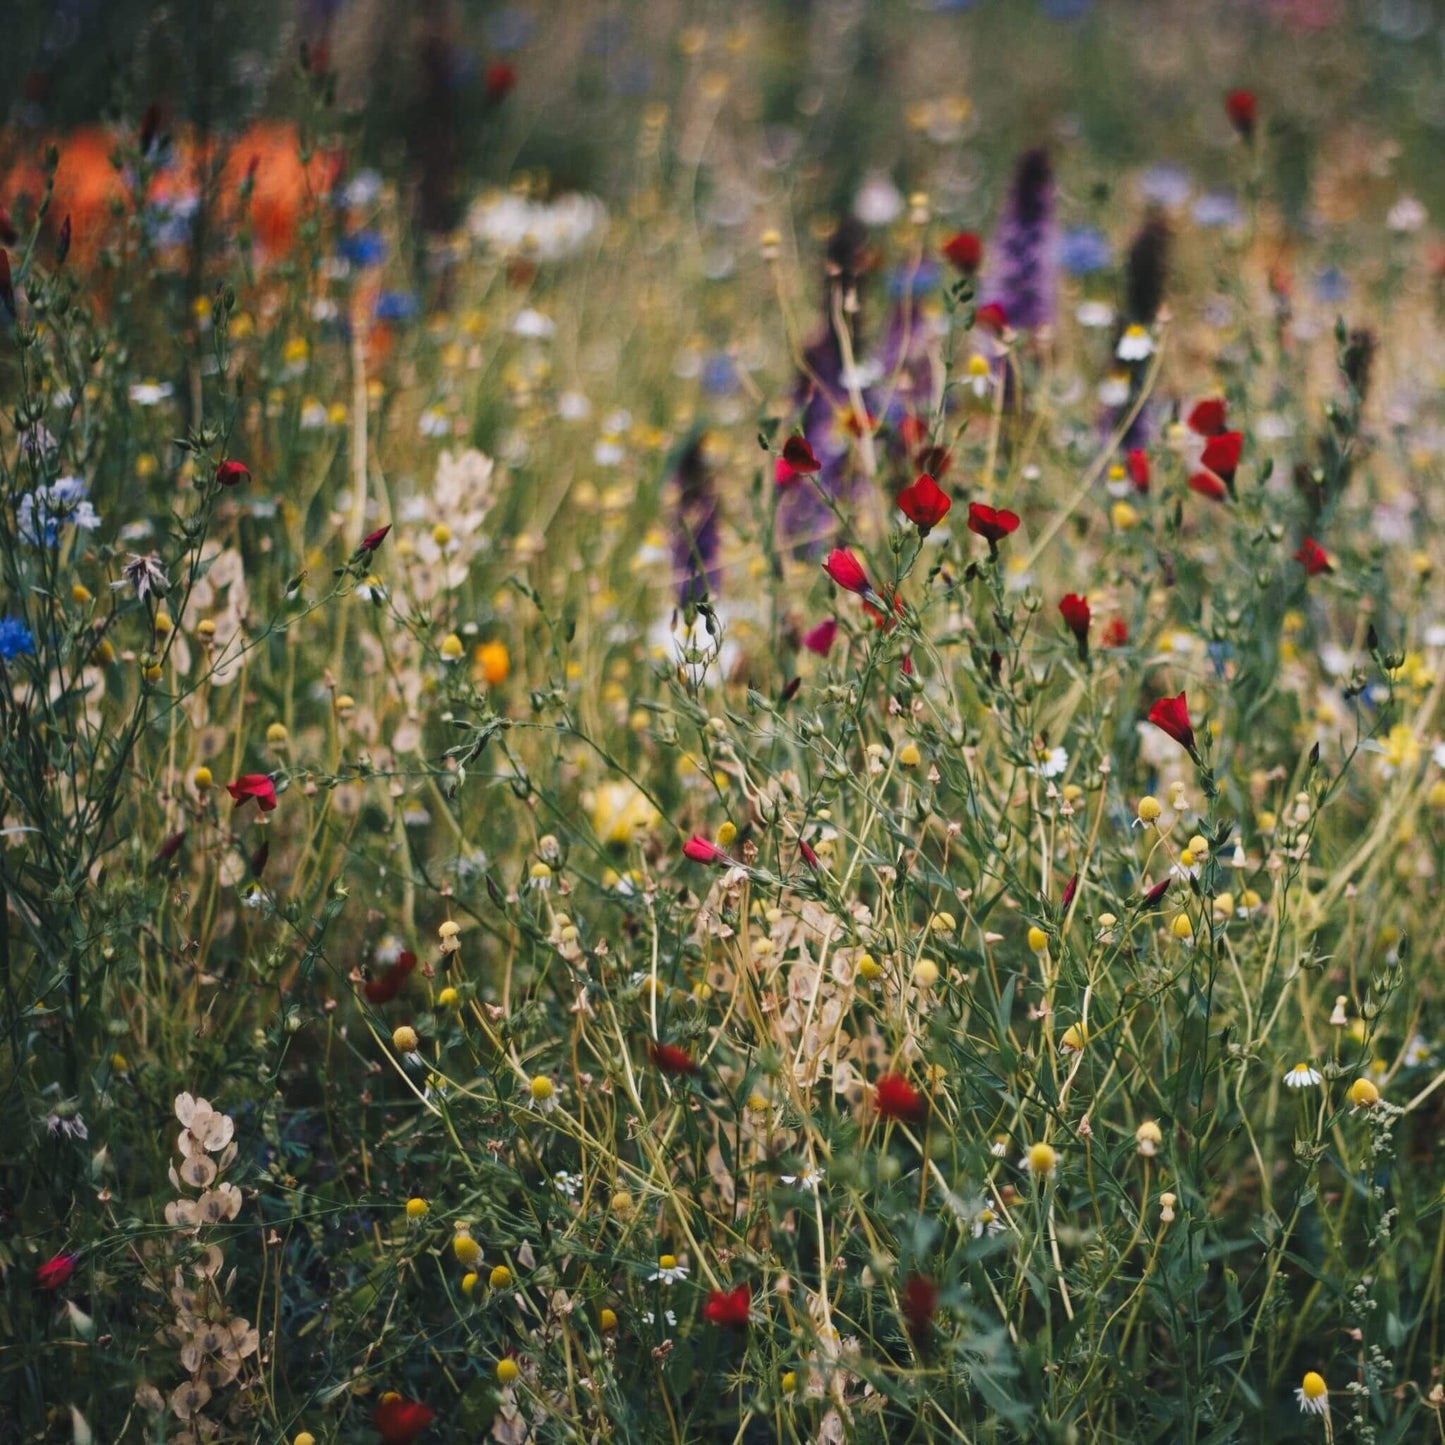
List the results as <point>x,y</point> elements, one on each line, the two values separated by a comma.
<point>1182,928</point>
<point>869,968</point>
<point>404,1039</point>
<point>1123,516</point>
<point>494,662</point>
<point>447,998</point>
<point>79,595</point>
<point>165,624</point>
<point>507,1372</point>
<point>201,779</point>
<point>500,1277</point>
<point>789,1382</point>
<point>1313,1394</point>
<point>1149,808</point>
<point>909,756</point>
<point>304,1437</point>
<point>1074,1039</point>
<point>1148,1136</point>
<point>416,1208</point>
<point>1041,1160</point>
<point>727,835</point>
<point>451,647</point>
<point>621,1203</point>
<point>467,1251</point>
<point>925,973</point>
<point>542,1089</point>
<point>441,534</point>
<point>276,734</point>
<point>1038,939</point>
<point>606,1320</point>
<point>1364,1094</point>
<point>469,1282</point>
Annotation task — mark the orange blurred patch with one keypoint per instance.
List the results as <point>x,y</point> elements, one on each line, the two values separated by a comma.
<point>283,189</point>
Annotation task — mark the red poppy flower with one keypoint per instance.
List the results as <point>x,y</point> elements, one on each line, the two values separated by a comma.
<point>964,252</point>
<point>1208,485</point>
<point>701,851</point>
<point>799,455</point>
<point>729,1307</point>
<point>56,1272</point>
<point>257,786</point>
<point>1171,715</point>
<point>374,539</point>
<point>847,571</point>
<point>991,317</point>
<point>1313,558</point>
<point>1137,462</point>
<point>500,79</point>
<point>672,1058</point>
<point>1243,111</point>
<point>386,986</point>
<point>1076,615</point>
<point>231,473</point>
<point>990,524</point>
<point>895,1098</point>
<point>1116,633</point>
<point>1207,417</point>
<point>819,639</point>
<point>783,474</point>
<point>919,1300</point>
<point>924,503</point>
<point>1153,894</point>
<point>400,1421</point>
<point>1221,454</point>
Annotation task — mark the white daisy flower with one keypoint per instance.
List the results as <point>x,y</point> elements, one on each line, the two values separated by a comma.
<point>150,393</point>
<point>668,1270</point>
<point>1313,1395</point>
<point>810,1178</point>
<point>1303,1076</point>
<point>1135,345</point>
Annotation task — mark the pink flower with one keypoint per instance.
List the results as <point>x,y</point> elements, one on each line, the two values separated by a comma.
<point>701,851</point>
<point>257,786</point>
<point>57,1271</point>
<point>820,638</point>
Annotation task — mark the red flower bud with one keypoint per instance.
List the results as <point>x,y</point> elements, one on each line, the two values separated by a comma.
<point>672,1059</point>
<point>701,851</point>
<point>1221,454</point>
<point>919,1300</point>
<point>1171,716</point>
<point>847,571</point>
<point>799,455</point>
<point>1313,558</point>
<point>991,317</point>
<point>400,1421</point>
<point>372,541</point>
<point>56,1271</point>
<point>1243,111</point>
<point>1137,462</point>
<point>1076,615</point>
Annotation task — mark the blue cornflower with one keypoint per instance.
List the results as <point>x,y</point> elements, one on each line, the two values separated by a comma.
<point>1084,250</point>
<point>16,639</point>
<point>396,306</point>
<point>43,512</point>
<point>364,248</point>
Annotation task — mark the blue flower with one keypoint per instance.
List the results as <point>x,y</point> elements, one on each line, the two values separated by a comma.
<point>904,281</point>
<point>396,306</point>
<point>42,513</point>
<point>1165,184</point>
<point>719,375</point>
<point>1331,285</point>
<point>1084,250</point>
<point>364,248</point>
<point>16,639</point>
<point>1217,208</point>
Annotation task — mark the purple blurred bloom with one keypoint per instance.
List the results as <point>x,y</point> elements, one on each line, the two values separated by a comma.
<point>1023,257</point>
<point>695,535</point>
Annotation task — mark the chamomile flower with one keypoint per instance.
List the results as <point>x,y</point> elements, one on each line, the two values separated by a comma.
<point>810,1178</point>
<point>1041,1160</point>
<point>1051,762</point>
<point>1135,345</point>
<point>668,1270</point>
<point>1303,1076</point>
<point>1313,1394</point>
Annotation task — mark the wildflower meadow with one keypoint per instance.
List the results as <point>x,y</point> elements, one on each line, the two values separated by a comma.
<point>722,722</point>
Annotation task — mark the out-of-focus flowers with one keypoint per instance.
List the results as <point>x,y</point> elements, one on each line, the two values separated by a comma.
<point>56,1271</point>
<point>729,1308</point>
<point>895,1098</point>
<point>64,503</point>
<point>16,639</point>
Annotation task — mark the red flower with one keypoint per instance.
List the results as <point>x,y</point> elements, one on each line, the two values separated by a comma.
<point>925,503</point>
<point>400,1421</point>
<point>936,461</point>
<point>1076,615</point>
<point>819,639</point>
<point>799,455</point>
<point>895,1098</point>
<point>847,571</point>
<point>701,851</point>
<point>729,1307</point>
<point>964,252</point>
<point>372,541</point>
<point>257,786</point>
<point>919,1299</point>
<point>1207,417</point>
<point>1116,634</point>
<point>1208,485</point>
<point>993,526</point>
<point>672,1058</point>
<point>1070,888</point>
<point>56,1272</point>
<point>1313,558</point>
<point>1171,715</point>
<point>809,857</point>
<point>500,79</point>
<point>991,317</point>
<point>1243,110</point>
<point>1221,454</point>
<point>1137,461</point>
<point>231,473</point>
<point>386,987</point>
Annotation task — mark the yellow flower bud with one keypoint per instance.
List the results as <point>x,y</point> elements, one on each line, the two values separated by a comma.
<point>909,756</point>
<point>416,1208</point>
<point>542,1088</point>
<point>470,1281</point>
<point>1038,939</point>
<point>869,968</point>
<point>726,835</point>
<point>79,595</point>
<point>507,1372</point>
<point>451,647</point>
<point>201,779</point>
<point>447,998</point>
<point>1364,1094</point>
<point>925,973</point>
<point>500,1277</point>
<point>467,1251</point>
<point>495,662</point>
<point>1043,1159</point>
<point>404,1039</point>
<point>1182,928</point>
<point>1149,808</point>
<point>606,1320</point>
